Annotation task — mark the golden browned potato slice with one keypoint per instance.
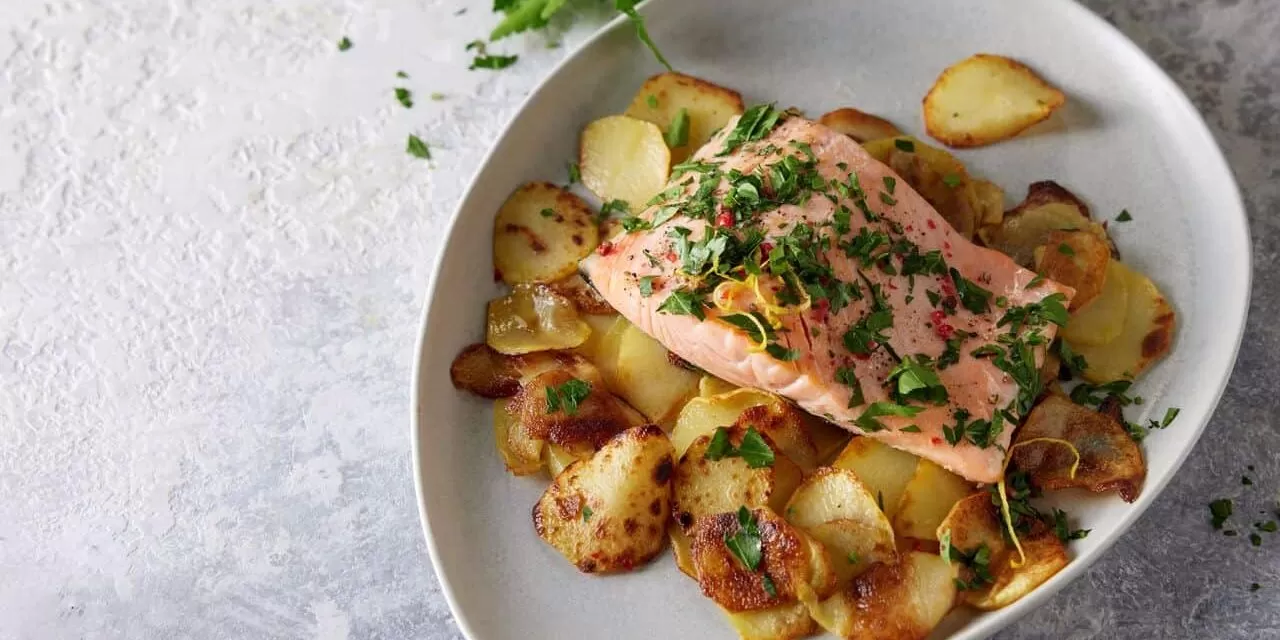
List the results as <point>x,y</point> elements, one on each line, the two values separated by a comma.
<point>533,318</point>
<point>559,457</point>
<point>783,622</point>
<point>702,416</point>
<point>625,159</point>
<point>609,513</point>
<point>785,425</point>
<point>862,127</point>
<point>792,562</point>
<point>901,601</point>
<point>927,499</point>
<point>582,295</point>
<point>645,376</point>
<point>600,325</point>
<point>682,549</point>
<point>1102,320</point>
<point>988,202</point>
<point>885,471</point>
<point>1048,207</point>
<point>937,176</point>
<point>1077,259</point>
<point>974,523</point>
<point>521,454</point>
<point>708,107</point>
<point>987,98</point>
<point>712,386</point>
<point>836,509</point>
<point>1109,459</point>
<point>540,234</point>
<point>485,372</point>
<point>705,487</point>
<point>588,419</point>
<point>1146,336</point>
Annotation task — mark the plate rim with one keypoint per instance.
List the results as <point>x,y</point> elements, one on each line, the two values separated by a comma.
<point>988,622</point>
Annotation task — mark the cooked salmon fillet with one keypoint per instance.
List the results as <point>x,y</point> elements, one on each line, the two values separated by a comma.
<point>783,257</point>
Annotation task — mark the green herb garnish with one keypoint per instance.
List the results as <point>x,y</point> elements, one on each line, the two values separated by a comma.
<point>417,148</point>
<point>404,97</point>
<point>678,133</point>
<point>567,396</point>
<point>1124,216</point>
<point>745,544</point>
<point>492,62</point>
<point>1220,510</point>
<point>646,286</point>
<point>904,145</point>
<point>344,43</point>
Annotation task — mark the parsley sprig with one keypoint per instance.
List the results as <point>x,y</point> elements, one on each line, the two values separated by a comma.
<point>754,450</point>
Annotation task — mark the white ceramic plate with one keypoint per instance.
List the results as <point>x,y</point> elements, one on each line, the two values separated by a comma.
<point>1128,138</point>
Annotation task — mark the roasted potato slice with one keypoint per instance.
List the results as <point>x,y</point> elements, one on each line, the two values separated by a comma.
<point>540,233</point>
<point>900,601</point>
<point>987,98</point>
<point>600,325</point>
<point>786,426</point>
<point>1102,320</point>
<point>975,523</point>
<point>558,458</point>
<point>531,318</point>
<point>609,513</point>
<point>485,372</point>
<point>789,559</point>
<point>988,202</point>
<point>702,416</point>
<point>783,622</point>
<point>1109,458</point>
<point>1147,334</point>
<point>646,377</point>
<point>937,176</point>
<point>591,419</point>
<point>837,510</point>
<point>705,487</point>
<point>1048,207</point>
<point>622,158</point>
<point>582,295</point>
<point>708,106</point>
<point>712,386</point>
<point>885,471</point>
<point>1077,259</point>
<point>861,126</point>
<point>521,454</point>
<point>927,499</point>
<point>682,549</point>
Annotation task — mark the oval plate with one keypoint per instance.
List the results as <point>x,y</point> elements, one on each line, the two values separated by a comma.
<point>1127,139</point>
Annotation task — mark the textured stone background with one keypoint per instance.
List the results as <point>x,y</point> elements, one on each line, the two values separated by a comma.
<point>212,255</point>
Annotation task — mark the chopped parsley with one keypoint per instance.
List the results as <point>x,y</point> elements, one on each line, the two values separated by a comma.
<point>568,396</point>
<point>753,125</point>
<point>678,133</point>
<point>916,380</point>
<point>952,180</point>
<point>683,302</point>
<point>652,101</point>
<point>586,513</point>
<point>575,174</point>
<point>753,450</point>
<point>547,212</point>
<point>401,74</point>
<point>1124,216</point>
<point>769,587</point>
<point>972,297</point>
<point>1064,532</point>
<point>745,544</point>
<point>869,423</point>
<point>977,564</point>
<point>417,148</point>
<point>646,286</point>
<point>404,97</point>
<point>1220,510</point>
<point>611,207</point>
<point>493,62</point>
<point>1065,249</point>
<point>904,145</point>
<point>863,336</point>
<point>344,44</point>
